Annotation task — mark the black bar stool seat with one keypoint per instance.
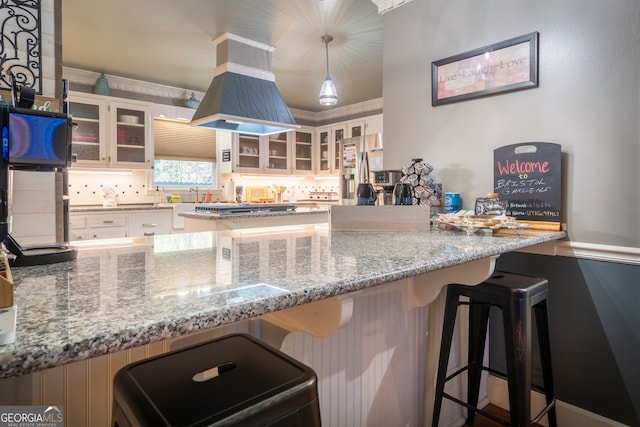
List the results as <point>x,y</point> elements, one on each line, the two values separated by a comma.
<point>518,297</point>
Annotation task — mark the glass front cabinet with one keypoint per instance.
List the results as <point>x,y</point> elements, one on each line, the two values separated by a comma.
<point>88,141</point>
<point>131,127</point>
<point>280,153</point>
<point>109,133</point>
<point>265,154</point>
<point>303,151</point>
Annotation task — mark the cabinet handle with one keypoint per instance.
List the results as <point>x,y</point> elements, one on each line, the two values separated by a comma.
<point>107,221</point>
<point>149,225</point>
<point>150,234</point>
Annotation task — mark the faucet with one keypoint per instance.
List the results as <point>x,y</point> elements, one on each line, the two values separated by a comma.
<point>197,193</point>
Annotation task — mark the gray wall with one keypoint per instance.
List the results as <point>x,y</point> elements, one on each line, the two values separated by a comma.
<point>589,102</point>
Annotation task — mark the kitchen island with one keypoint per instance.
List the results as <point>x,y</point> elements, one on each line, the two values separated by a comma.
<point>147,290</point>
<point>207,221</point>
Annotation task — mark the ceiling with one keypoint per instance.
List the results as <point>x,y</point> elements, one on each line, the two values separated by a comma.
<point>171,42</point>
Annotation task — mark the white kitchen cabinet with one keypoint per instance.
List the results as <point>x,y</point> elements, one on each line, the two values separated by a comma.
<point>150,223</point>
<point>304,151</point>
<point>130,135</point>
<point>257,154</point>
<point>117,224</point>
<point>324,150</point>
<point>89,144</point>
<point>328,148</point>
<point>106,226</point>
<point>110,132</point>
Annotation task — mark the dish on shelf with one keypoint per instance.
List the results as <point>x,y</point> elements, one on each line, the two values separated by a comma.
<point>129,119</point>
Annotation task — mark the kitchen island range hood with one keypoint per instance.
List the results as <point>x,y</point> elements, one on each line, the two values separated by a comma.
<point>243,96</point>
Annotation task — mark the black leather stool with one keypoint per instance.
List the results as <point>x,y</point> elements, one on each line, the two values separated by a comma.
<point>517,296</point>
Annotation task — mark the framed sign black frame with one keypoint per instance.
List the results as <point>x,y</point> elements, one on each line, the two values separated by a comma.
<point>497,68</point>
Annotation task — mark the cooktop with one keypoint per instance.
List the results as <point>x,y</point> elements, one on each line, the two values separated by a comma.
<point>229,208</point>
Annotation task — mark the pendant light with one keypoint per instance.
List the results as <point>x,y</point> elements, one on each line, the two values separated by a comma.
<point>328,93</point>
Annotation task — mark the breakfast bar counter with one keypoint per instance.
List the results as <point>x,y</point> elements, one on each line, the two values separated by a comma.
<point>121,294</point>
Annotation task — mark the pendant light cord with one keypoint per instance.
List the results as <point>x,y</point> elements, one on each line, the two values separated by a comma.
<point>327,39</point>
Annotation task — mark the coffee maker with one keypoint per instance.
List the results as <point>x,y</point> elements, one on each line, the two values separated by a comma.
<point>384,182</point>
<point>35,141</point>
<point>354,153</point>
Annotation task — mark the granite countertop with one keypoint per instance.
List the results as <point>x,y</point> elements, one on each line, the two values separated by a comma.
<point>147,289</point>
<point>118,208</point>
<point>261,214</point>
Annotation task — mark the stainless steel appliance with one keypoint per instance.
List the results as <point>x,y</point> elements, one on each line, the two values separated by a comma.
<point>384,182</point>
<point>352,162</point>
<point>35,142</point>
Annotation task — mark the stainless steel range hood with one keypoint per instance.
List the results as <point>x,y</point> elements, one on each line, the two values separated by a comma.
<point>243,96</point>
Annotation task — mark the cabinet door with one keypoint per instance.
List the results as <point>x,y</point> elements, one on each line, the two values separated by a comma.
<point>356,128</point>
<point>374,124</point>
<point>130,135</point>
<point>324,155</point>
<point>303,151</point>
<point>277,152</point>
<point>339,133</point>
<point>149,223</point>
<point>106,226</point>
<point>247,153</point>
<point>89,137</point>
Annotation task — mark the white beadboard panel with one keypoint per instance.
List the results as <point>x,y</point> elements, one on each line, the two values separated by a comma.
<point>370,372</point>
<point>85,388</point>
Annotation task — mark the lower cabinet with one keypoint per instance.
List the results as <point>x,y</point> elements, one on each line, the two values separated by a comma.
<point>88,226</point>
<point>150,223</point>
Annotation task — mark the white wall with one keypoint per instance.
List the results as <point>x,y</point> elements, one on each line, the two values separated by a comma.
<point>587,101</point>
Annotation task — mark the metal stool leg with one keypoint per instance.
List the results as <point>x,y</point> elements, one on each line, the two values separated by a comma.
<point>478,321</point>
<point>517,332</point>
<point>544,341</point>
<point>450,312</point>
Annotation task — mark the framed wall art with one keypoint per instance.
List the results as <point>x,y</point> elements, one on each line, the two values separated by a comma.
<point>498,68</point>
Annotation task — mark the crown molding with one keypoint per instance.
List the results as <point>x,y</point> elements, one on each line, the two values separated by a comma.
<point>385,6</point>
<point>123,84</point>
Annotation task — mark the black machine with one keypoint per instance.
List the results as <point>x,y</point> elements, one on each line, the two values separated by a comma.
<point>33,140</point>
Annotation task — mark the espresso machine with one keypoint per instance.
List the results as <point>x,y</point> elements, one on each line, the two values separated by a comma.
<point>35,142</point>
<point>384,182</point>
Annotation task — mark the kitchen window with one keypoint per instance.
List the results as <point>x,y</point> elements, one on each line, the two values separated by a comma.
<point>183,173</point>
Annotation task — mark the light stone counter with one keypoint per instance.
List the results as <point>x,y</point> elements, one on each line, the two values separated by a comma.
<point>118,208</point>
<point>207,221</point>
<point>128,293</point>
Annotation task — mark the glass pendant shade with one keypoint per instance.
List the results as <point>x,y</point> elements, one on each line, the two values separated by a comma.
<point>328,93</point>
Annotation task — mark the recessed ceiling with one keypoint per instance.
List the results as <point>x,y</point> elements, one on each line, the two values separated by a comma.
<point>171,42</point>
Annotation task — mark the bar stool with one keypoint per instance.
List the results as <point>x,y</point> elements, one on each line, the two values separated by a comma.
<point>517,296</point>
<point>235,380</point>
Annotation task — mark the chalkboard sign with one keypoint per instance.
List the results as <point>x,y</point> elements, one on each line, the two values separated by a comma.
<point>528,177</point>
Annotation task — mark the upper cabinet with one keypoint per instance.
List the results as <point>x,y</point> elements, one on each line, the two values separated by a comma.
<point>110,132</point>
<point>280,153</point>
<point>259,154</point>
<point>131,125</point>
<point>89,138</point>
<point>303,150</point>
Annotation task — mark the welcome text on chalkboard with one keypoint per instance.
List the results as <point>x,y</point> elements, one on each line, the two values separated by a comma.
<point>527,176</point>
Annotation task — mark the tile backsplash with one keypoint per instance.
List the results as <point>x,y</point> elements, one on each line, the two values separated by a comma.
<point>86,189</point>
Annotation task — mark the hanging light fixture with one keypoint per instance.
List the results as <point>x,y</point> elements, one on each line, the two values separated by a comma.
<point>328,93</point>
